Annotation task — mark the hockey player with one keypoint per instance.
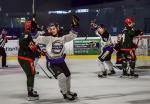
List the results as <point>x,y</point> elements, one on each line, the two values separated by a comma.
<point>128,47</point>
<point>26,57</point>
<point>106,51</point>
<point>3,40</point>
<point>34,29</point>
<point>55,49</point>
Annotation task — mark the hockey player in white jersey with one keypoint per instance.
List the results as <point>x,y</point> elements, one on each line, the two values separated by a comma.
<point>55,49</point>
<point>106,45</point>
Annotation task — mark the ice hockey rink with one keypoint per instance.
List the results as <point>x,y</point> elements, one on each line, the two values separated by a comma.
<point>90,88</point>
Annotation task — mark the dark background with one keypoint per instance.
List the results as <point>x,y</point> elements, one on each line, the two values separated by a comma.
<point>112,13</point>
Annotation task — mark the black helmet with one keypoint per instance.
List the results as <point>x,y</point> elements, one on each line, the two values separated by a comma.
<point>101,26</point>
<point>53,24</point>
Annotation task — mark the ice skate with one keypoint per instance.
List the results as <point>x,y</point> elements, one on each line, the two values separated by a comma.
<point>33,95</point>
<point>74,94</point>
<point>103,75</point>
<point>68,97</point>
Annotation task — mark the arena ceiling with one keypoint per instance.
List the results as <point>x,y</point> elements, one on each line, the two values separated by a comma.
<point>15,6</point>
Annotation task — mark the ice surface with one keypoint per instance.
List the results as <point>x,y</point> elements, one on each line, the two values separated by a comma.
<point>91,89</point>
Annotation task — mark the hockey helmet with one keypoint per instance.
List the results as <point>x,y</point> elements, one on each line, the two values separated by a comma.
<point>129,20</point>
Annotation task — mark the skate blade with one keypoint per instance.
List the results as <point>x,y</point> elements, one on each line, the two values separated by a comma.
<point>76,97</point>
<point>133,77</point>
<point>75,100</point>
<point>130,77</point>
<point>111,74</point>
<point>102,77</point>
<point>124,76</point>
<point>33,98</point>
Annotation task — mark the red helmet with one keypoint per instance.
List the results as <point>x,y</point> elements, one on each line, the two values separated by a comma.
<point>129,20</point>
<point>28,25</point>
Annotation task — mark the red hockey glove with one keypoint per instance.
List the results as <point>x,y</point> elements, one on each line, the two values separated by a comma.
<point>33,47</point>
<point>43,52</point>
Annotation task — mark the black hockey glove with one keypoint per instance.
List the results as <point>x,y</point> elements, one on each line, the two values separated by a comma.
<point>138,32</point>
<point>75,21</point>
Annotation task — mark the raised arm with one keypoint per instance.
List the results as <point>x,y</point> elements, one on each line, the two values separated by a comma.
<point>74,32</point>
<point>68,37</point>
<point>42,39</point>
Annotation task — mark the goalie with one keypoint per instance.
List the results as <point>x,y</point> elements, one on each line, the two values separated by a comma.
<point>127,47</point>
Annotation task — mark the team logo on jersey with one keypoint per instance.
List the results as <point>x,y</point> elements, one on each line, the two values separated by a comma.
<point>57,47</point>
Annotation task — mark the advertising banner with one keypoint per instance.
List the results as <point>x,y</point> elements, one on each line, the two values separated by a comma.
<point>81,46</point>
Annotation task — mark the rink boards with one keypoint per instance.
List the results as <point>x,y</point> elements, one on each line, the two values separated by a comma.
<point>84,57</point>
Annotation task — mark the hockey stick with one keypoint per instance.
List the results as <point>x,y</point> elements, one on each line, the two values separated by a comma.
<point>44,71</point>
<point>139,38</point>
<point>95,19</point>
<point>116,67</point>
<point>33,6</point>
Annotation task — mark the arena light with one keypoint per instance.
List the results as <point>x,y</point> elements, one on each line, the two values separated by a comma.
<point>82,10</point>
<point>22,20</point>
<point>59,12</point>
<point>0,8</point>
<point>98,10</point>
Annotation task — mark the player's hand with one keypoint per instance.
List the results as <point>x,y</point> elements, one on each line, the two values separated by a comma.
<point>93,24</point>
<point>75,21</point>
<point>41,32</point>
<point>33,47</point>
<point>93,44</point>
<point>141,33</point>
<point>43,52</point>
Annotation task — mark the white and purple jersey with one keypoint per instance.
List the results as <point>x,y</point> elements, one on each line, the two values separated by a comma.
<point>55,46</point>
<point>105,39</point>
